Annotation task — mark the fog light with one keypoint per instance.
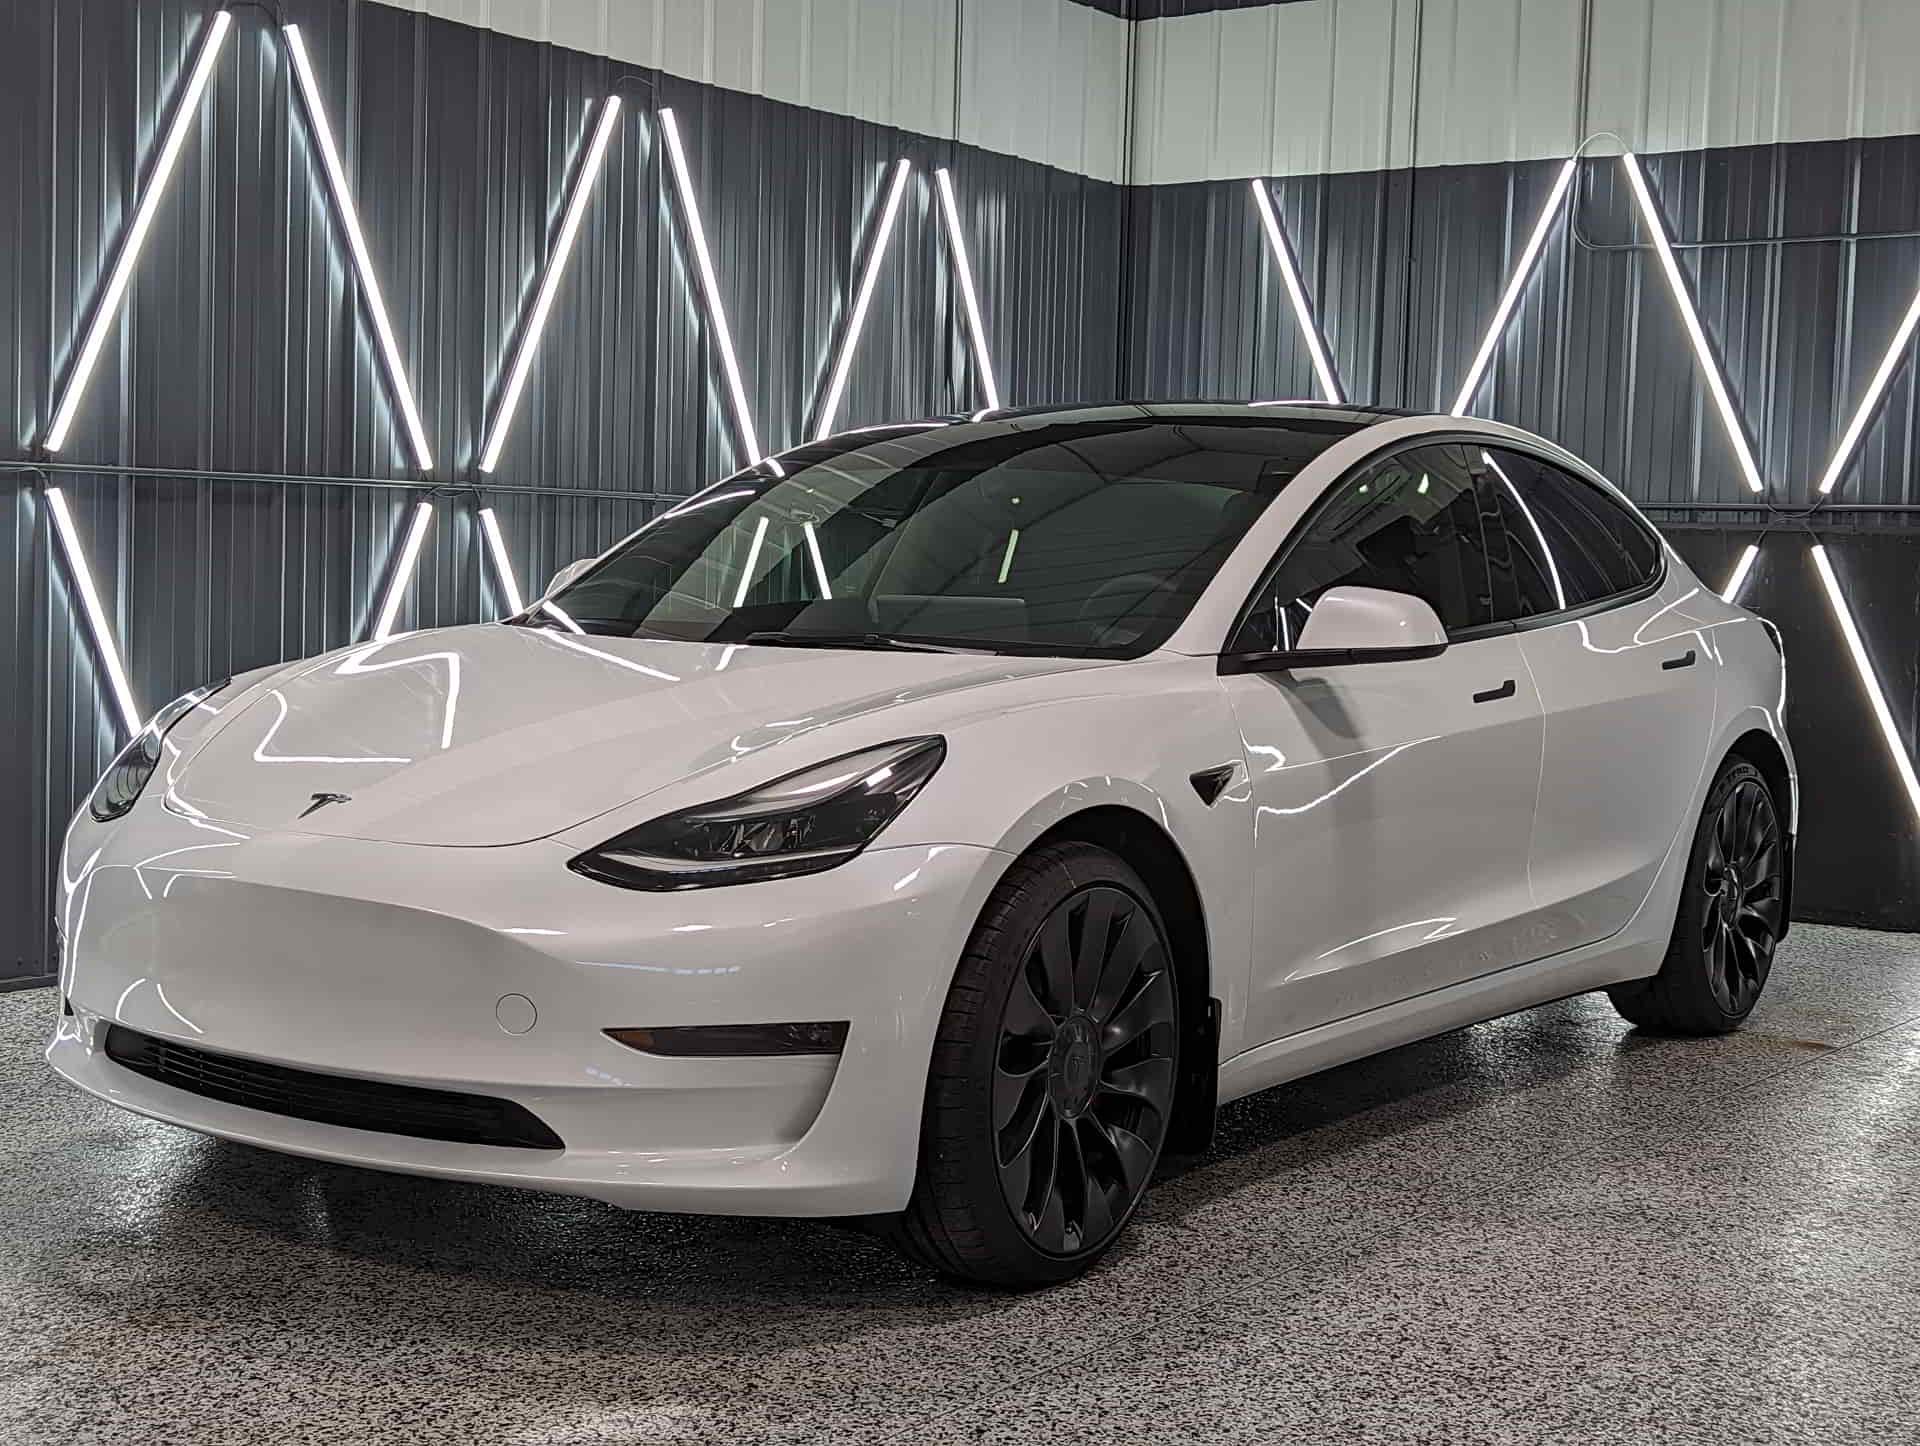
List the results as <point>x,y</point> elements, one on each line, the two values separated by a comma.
<point>690,1040</point>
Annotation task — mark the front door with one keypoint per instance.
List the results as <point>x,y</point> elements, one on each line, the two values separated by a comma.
<point>1394,801</point>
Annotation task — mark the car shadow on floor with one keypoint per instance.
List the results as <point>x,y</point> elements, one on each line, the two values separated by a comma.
<point>1285,1140</point>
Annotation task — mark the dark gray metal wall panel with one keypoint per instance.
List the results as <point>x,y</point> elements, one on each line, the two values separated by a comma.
<point>244,345</point>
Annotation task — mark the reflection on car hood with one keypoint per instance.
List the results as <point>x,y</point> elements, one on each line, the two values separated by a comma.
<point>494,735</point>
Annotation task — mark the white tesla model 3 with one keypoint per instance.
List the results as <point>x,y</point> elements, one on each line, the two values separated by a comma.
<point>933,823</point>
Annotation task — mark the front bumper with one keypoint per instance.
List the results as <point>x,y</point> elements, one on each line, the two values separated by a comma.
<point>389,962</point>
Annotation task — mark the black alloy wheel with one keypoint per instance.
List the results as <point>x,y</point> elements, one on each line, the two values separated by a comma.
<point>1740,883</point>
<point>1083,1076</point>
<point>1731,912</point>
<point>1053,1078</point>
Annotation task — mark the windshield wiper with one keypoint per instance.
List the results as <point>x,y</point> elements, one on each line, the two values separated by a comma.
<point>879,642</point>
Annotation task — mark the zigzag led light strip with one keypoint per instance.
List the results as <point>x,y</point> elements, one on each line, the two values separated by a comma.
<point>107,309</point>
<point>1682,298</point>
<point>970,300</point>
<point>556,267</point>
<point>402,571</point>
<point>96,615</point>
<point>502,562</point>
<point>1870,684</point>
<point>863,297</point>
<point>1516,285</point>
<point>749,435</point>
<point>357,244</point>
<point>1297,293</point>
<point>1856,429</point>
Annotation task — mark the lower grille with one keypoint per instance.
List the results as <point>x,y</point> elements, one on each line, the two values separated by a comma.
<point>331,1099</point>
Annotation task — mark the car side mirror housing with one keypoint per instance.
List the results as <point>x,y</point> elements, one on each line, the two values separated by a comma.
<point>567,574</point>
<point>1351,625</point>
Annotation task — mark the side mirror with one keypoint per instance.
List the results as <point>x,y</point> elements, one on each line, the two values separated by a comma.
<point>567,574</point>
<point>1354,625</point>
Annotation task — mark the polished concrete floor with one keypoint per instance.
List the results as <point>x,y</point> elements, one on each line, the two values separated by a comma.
<point>1550,1228</point>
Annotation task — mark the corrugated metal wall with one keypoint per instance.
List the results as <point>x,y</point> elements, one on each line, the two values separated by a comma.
<point>244,346</point>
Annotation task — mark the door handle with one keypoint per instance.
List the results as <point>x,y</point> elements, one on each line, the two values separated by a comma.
<point>1685,660</point>
<point>1494,695</point>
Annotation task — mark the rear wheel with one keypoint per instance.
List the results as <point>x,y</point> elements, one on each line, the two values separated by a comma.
<point>1732,904</point>
<point>1052,1078</point>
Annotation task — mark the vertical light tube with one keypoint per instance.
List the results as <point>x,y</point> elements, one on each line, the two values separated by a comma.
<point>107,309</point>
<point>753,561</point>
<point>502,563</point>
<point>749,436</point>
<point>819,562</point>
<point>1682,298</point>
<point>103,645</point>
<point>536,324</point>
<point>1843,454</point>
<point>1516,285</point>
<point>1868,682</point>
<point>969,298</point>
<point>1296,293</point>
<point>1749,555</point>
<point>357,245</point>
<point>403,570</point>
<point>837,381</point>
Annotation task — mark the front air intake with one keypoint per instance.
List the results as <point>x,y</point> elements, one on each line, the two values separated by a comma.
<point>330,1099</point>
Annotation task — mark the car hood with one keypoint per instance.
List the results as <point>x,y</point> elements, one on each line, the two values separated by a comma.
<point>491,735</point>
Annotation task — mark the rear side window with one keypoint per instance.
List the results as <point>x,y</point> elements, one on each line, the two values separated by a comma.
<point>1566,542</point>
<point>1409,523</point>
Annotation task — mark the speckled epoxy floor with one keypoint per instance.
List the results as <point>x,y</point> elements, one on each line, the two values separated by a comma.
<point>1549,1228</point>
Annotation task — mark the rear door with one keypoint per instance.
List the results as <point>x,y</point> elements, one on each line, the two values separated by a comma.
<point>1626,682</point>
<point>1393,801</point>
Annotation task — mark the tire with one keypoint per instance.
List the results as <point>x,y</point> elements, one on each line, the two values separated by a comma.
<point>1730,915</point>
<point>1052,1077</point>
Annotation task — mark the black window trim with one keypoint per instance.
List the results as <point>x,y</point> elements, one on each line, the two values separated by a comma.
<point>1386,453</point>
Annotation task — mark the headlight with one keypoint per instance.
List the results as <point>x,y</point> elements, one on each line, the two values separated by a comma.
<point>800,824</point>
<point>133,765</point>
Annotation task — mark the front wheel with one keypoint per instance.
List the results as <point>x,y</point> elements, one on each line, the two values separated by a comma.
<point>1053,1075</point>
<point>1732,907</point>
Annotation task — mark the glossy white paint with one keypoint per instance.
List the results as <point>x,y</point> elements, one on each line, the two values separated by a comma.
<point>1368,618</point>
<point>1404,847</point>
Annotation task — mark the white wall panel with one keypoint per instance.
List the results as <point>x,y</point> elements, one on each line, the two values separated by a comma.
<point>1329,85</point>
<point>1041,79</point>
<point>1275,90</point>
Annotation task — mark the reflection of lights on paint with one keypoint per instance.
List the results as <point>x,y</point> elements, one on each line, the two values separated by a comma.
<point>1516,286</point>
<point>819,562</point>
<point>357,244</point>
<point>1283,257</point>
<point>1683,299</point>
<point>710,292</point>
<point>103,645</point>
<point>107,309</point>
<point>753,561</point>
<point>1533,523</point>
<point>403,570</point>
<point>556,267</point>
<point>1870,684</point>
<point>863,297</point>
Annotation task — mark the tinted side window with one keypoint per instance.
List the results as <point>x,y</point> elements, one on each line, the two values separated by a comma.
<point>1567,542</point>
<point>1409,523</point>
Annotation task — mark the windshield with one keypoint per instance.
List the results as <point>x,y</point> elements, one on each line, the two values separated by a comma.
<point>1089,539</point>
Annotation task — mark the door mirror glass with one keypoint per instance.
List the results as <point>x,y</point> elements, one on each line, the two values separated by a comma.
<point>567,574</point>
<point>1354,625</point>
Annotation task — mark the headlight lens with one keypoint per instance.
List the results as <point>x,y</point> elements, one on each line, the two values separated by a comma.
<point>800,824</point>
<point>127,775</point>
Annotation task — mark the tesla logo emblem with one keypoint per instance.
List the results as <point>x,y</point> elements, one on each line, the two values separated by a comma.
<point>321,800</point>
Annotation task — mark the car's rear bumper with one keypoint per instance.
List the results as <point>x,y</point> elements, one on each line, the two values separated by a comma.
<point>388,962</point>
